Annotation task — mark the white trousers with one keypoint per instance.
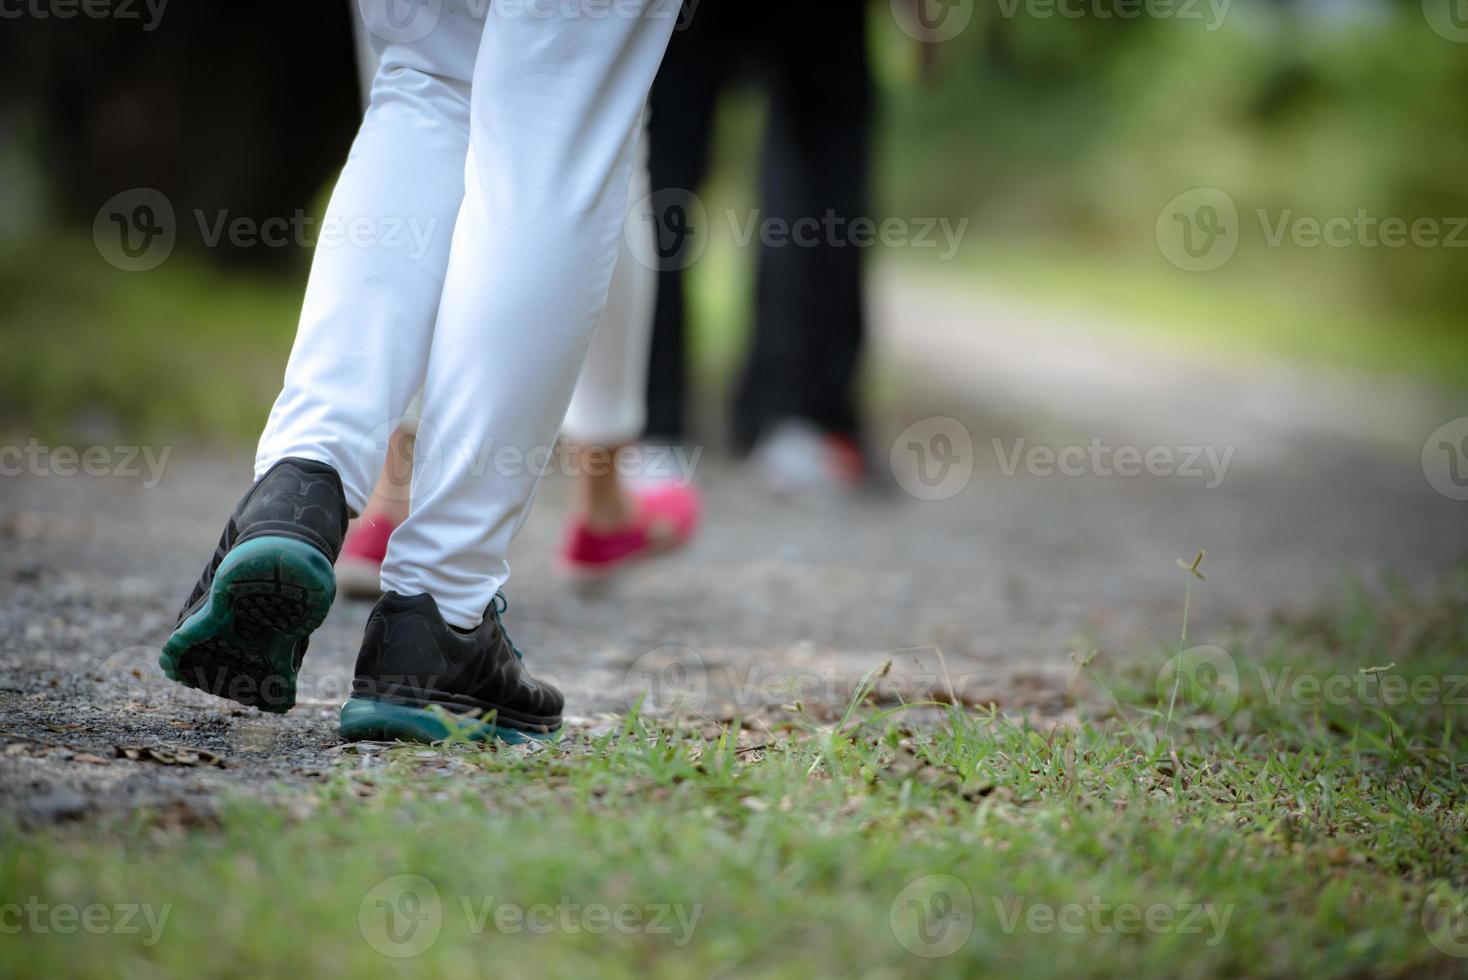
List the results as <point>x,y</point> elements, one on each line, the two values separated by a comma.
<point>469,250</point>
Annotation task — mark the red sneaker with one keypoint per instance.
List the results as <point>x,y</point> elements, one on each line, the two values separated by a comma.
<point>667,515</point>
<point>359,569</point>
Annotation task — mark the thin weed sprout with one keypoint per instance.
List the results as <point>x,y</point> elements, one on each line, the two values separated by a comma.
<point>1192,570</point>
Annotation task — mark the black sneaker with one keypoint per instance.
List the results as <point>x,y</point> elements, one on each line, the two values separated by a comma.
<point>413,664</point>
<point>242,633</point>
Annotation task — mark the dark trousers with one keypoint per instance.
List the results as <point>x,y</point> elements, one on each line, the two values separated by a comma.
<point>809,324</point>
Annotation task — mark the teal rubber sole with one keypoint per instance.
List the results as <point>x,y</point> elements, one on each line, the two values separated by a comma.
<point>370,720</point>
<point>268,594</point>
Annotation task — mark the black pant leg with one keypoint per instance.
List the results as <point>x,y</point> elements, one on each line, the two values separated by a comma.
<point>810,325</point>
<point>684,97</point>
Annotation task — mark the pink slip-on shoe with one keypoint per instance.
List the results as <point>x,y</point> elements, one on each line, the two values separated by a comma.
<point>359,569</point>
<point>667,515</point>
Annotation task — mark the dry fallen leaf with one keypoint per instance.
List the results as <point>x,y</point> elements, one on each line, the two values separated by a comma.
<point>170,757</point>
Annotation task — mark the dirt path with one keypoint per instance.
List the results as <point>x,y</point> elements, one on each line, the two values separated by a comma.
<point>1006,575</point>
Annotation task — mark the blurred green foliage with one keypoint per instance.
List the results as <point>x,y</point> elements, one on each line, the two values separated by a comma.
<point>186,350</point>
<point>1081,131</point>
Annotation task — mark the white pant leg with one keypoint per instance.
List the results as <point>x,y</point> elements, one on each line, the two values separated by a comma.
<point>609,407</point>
<point>361,350</point>
<point>609,403</point>
<point>557,97</point>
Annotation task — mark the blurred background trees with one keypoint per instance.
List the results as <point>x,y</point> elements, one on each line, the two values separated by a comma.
<point>246,108</point>
<point>1061,138</point>
<point>1081,130</point>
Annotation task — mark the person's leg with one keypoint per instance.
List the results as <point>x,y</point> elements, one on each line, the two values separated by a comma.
<point>616,521</point>
<point>361,350</point>
<point>612,521</point>
<point>362,40</point>
<point>607,410</point>
<point>390,496</point>
<point>809,322</point>
<point>556,103</point>
<point>359,355</point>
<point>359,569</point>
<point>683,101</point>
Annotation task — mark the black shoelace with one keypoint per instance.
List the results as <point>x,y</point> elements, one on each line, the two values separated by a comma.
<point>499,607</point>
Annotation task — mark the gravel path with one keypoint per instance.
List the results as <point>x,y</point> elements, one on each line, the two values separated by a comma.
<point>1012,570</point>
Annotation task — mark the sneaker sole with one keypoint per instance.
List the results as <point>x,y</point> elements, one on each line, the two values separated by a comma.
<point>370,720</point>
<point>268,594</point>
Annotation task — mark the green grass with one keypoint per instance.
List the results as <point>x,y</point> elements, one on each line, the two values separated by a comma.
<point>1296,837</point>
